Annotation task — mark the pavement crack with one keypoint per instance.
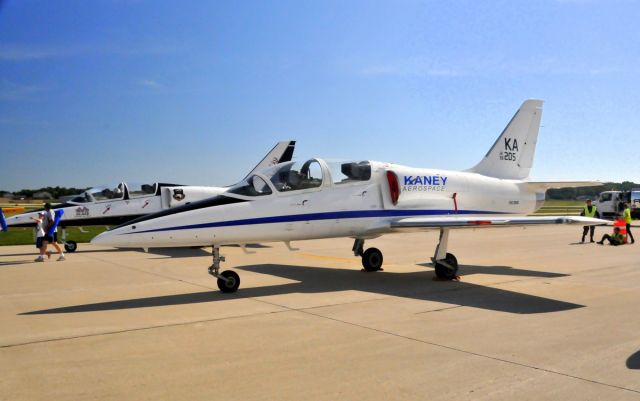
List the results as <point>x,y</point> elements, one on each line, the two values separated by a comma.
<point>134,329</point>
<point>477,354</point>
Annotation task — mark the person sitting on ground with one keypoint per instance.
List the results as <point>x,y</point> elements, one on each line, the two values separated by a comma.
<point>615,239</point>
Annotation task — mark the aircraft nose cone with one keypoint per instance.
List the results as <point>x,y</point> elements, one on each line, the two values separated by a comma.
<point>106,238</point>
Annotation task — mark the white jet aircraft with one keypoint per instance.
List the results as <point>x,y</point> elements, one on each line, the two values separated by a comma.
<point>361,200</point>
<point>117,204</point>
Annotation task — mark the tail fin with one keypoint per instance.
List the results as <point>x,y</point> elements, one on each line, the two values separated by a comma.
<point>3,221</point>
<point>511,156</point>
<point>282,152</point>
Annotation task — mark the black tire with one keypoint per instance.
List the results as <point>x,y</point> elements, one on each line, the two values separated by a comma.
<point>372,260</point>
<point>70,246</point>
<point>445,273</point>
<point>231,283</point>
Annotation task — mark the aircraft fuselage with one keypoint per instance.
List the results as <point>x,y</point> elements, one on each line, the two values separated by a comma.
<point>359,208</point>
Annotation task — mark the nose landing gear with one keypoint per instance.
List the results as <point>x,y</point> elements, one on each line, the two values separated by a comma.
<point>228,280</point>
<point>69,246</point>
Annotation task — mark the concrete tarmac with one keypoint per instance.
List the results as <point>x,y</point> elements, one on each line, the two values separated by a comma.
<point>536,316</point>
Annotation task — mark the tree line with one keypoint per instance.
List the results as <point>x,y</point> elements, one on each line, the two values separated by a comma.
<point>590,192</point>
<point>56,192</point>
<point>558,194</point>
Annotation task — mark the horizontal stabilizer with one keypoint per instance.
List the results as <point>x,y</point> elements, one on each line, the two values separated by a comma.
<point>538,186</point>
<point>426,223</point>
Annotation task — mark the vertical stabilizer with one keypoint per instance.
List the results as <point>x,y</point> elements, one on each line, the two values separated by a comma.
<point>511,156</point>
<point>282,152</point>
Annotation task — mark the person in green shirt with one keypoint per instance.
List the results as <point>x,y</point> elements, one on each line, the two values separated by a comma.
<point>626,216</point>
<point>615,239</point>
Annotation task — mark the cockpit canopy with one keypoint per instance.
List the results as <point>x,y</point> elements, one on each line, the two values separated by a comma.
<point>295,175</point>
<point>137,190</point>
<point>115,192</point>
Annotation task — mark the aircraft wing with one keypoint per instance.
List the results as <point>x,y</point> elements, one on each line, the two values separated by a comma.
<point>426,223</point>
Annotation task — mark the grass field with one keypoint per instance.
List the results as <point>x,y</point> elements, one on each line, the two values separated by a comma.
<point>24,236</point>
<point>561,207</point>
<point>551,203</point>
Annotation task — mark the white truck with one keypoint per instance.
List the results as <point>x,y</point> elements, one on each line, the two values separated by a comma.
<point>609,203</point>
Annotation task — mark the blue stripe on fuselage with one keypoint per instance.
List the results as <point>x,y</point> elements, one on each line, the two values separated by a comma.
<point>352,214</point>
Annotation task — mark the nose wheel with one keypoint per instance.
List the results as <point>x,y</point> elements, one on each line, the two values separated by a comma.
<point>70,246</point>
<point>371,258</point>
<point>228,280</point>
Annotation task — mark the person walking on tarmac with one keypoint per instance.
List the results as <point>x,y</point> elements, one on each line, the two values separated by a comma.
<point>615,239</point>
<point>589,211</point>
<point>626,216</point>
<point>49,218</point>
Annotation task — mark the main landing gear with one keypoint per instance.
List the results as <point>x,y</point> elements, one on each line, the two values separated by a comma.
<point>371,258</point>
<point>445,263</point>
<point>228,280</point>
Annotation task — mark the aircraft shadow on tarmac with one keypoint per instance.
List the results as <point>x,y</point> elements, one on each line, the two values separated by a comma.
<point>501,271</point>
<point>313,280</point>
<point>634,361</point>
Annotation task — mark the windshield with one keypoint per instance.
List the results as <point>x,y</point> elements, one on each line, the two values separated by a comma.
<point>137,190</point>
<point>106,192</point>
<point>82,198</point>
<point>294,176</point>
<point>252,186</point>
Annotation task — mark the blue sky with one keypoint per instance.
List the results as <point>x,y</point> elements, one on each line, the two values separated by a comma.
<point>196,92</point>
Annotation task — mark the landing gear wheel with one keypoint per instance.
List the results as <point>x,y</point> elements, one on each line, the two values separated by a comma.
<point>372,260</point>
<point>449,272</point>
<point>230,282</point>
<point>70,246</point>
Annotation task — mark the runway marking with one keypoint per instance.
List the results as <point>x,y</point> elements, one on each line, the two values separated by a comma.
<point>334,258</point>
<point>353,261</point>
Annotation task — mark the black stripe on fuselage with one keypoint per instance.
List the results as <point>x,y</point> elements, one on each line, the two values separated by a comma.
<point>95,221</point>
<point>59,206</point>
<point>218,200</point>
